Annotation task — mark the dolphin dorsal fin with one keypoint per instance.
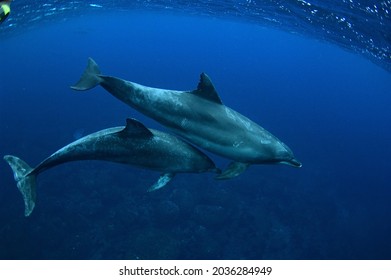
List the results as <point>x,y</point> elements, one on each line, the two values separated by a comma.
<point>135,128</point>
<point>205,89</point>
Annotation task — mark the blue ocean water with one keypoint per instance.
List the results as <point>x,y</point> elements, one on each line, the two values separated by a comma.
<point>330,105</point>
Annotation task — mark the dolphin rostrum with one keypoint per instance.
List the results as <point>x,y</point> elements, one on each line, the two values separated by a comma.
<point>200,117</point>
<point>134,145</point>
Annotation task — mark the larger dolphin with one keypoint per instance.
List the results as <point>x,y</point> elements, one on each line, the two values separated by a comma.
<point>134,144</point>
<point>200,117</point>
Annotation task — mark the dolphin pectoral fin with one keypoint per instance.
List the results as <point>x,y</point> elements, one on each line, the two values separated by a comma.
<point>25,181</point>
<point>234,169</point>
<point>90,78</point>
<point>164,179</point>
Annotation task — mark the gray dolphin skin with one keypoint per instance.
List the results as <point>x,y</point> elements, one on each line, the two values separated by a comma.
<point>200,117</point>
<point>134,145</point>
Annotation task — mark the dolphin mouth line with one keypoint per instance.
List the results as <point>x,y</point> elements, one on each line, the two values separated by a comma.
<point>293,162</point>
<point>296,163</point>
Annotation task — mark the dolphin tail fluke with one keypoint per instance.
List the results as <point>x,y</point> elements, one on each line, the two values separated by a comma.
<point>25,181</point>
<point>90,78</point>
<point>234,169</point>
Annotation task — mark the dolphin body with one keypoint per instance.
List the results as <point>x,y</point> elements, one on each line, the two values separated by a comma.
<point>200,117</point>
<point>134,145</point>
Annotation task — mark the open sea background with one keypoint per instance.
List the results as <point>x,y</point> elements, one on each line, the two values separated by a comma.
<point>323,93</point>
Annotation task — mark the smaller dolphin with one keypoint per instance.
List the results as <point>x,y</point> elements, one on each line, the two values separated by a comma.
<point>134,145</point>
